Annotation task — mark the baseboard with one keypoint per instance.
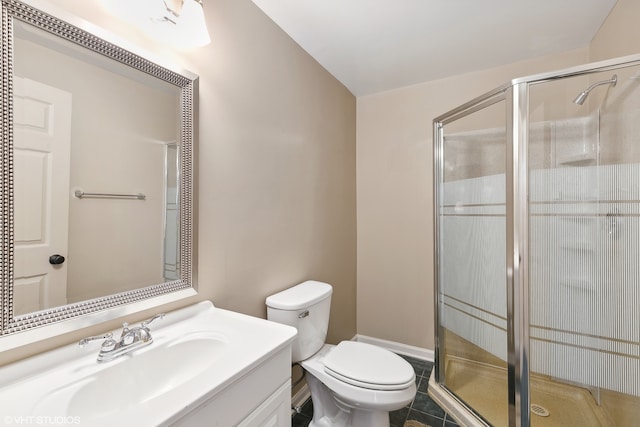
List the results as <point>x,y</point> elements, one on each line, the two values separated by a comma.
<point>299,399</point>
<point>407,350</point>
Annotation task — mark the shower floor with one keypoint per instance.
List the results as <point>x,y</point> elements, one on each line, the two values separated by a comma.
<point>484,387</point>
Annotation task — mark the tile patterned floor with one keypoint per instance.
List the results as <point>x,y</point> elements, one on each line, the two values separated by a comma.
<point>422,409</point>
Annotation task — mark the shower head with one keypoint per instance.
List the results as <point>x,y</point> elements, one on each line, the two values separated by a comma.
<point>581,98</point>
<point>584,94</point>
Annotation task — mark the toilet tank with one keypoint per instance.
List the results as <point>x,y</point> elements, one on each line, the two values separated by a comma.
<point>306,307</point>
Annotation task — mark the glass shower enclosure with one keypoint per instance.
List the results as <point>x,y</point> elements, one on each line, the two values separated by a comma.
<point>537,251</point>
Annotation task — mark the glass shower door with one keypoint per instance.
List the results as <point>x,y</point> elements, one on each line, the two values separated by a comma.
<point>471,264</point>
<point>537,240</point>
<point>584,198</point>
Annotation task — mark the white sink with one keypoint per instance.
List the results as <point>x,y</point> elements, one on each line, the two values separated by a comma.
<point>135,379</point>
<point>197,352</point>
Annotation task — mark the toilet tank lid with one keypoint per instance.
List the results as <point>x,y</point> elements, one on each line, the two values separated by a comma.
<point>300,296</point>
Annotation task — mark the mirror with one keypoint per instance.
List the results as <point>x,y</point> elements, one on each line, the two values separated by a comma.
<point>97,173</point>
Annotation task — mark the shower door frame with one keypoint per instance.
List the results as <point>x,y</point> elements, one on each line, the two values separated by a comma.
<point>516,97</point>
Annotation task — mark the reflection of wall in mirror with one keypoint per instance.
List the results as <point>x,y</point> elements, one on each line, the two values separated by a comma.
<point>171,241</point>
<point>119,132</point>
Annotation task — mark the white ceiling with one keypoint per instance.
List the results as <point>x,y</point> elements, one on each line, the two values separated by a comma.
<point>377,45</point>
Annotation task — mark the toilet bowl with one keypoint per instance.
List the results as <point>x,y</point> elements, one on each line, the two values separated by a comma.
<point>352,384</point>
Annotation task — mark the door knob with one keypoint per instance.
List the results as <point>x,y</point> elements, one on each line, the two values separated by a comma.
<point>56,259</point>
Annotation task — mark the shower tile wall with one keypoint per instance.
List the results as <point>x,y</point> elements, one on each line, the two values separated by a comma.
<point>620,120</point>
<point>585,223</point>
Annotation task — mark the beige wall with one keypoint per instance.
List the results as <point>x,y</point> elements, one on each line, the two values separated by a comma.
<point>619,35</point>
<point>394,191</point>
<point>277,202</point>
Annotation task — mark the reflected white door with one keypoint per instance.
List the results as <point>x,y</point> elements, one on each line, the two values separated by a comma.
<point>42,141</point>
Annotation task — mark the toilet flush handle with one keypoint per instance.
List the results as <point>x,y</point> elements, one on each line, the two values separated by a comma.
<point>303,314</point>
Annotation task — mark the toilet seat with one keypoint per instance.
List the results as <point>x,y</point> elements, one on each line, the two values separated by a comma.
<point>368,366</point>
<point>355,396</point>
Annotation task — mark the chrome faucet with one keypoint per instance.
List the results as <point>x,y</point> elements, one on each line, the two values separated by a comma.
<point>85,341</point>
<point>130,339</point>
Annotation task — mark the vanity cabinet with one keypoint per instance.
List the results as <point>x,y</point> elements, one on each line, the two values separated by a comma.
<point>275,411</point>
<point>206,367</point>
<point>260,398</point>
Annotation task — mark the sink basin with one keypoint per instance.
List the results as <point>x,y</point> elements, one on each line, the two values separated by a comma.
<point>196,353</point>
<point>134,379</point>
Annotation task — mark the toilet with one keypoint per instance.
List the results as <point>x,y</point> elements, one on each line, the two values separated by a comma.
<point>352,384</point>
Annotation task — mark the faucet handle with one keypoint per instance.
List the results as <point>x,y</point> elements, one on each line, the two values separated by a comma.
<point>127,336</point>
<point>148,322</point>
<point>85,341</point>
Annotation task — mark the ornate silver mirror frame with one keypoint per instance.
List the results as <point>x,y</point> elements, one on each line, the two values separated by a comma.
<point>17,331</point>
